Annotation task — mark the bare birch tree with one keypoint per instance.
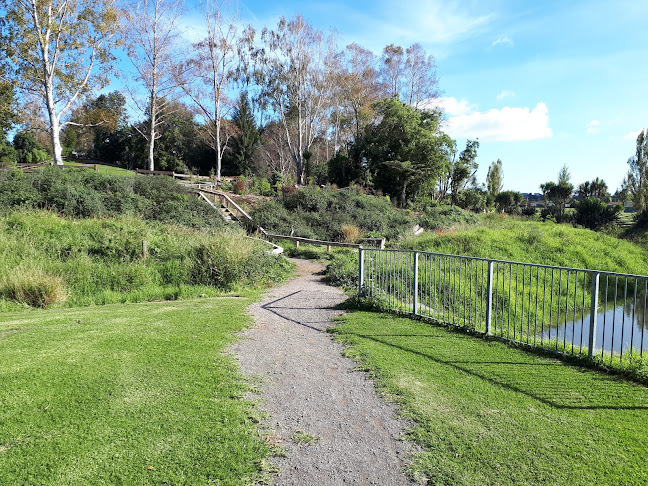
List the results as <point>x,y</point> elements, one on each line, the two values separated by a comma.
<point>211,71</point>
<point>58,51</point>
<point>421,82</point>
<point>151,36</point>
<point>291,71</point>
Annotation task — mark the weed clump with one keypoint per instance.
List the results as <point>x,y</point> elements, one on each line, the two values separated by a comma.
<point>33,287</point>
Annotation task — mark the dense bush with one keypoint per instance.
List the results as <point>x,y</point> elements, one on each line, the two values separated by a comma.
<point>323,214</point>
<point>445,217</point>
<point>123,259</point>
<point>592,213</point>
<point>82,193</point>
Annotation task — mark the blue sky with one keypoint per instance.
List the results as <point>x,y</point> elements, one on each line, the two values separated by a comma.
<point>541,84</point>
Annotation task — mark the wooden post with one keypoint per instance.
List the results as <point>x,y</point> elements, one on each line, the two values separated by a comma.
<point>296,244</point>
<point>328,248</point>
<point>144,249</point>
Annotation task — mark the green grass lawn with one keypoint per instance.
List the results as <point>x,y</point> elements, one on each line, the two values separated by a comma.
<point>126,394</point>
<point>487,413</point>
<point>103,168</point>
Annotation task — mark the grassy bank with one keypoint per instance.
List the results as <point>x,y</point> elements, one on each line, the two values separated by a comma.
<point>487,413</point>
<point>47,260</point>
<point>505,238</point>
<point>126,394</point>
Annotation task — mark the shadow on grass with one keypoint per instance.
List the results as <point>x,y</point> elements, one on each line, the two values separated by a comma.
<point>550,382</point>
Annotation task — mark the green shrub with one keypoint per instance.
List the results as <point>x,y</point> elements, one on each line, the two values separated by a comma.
<point>82,193</point>
<point>445,217</point>
<point>343,270</point>
<point>322,213</point>
<point>592,213</point>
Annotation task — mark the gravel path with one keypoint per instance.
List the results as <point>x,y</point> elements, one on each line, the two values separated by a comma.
<point>326,416</point>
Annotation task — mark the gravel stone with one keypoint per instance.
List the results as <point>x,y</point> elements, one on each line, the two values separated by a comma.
<point>326,415</point>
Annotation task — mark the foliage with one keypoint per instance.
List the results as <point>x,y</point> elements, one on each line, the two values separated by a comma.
<point>593,213</point>
<point>494,178</point>
<point>596,188</point>
<point>404,151</point>
<point>558,194</point>
<point>246,142</point>
<point>343,270</point>
<point>475,199</point>
<point>101,395</point>
<point>124,259</point>
<point>445,217</point>
<point>83,193</point>
<point>320,213</point>
<point>58,51</point>
<point>509,201</point>
<point>488,413</point>
<point>27,149</point>
<point>636,181</point>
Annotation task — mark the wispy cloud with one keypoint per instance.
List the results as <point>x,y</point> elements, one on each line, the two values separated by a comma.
<point>506,94</point>
<point>503,41</point>
<point>594,126</point>
<point>505,125</point>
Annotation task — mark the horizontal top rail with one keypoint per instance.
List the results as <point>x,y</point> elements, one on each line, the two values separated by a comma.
<point>314,242</point>
<point>537,265</point>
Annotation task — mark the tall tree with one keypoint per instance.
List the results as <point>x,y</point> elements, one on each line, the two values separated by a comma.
<point>596,188</point>
<point>151,37</point>
<point>404,150</point>
<point>494,178</point>
<point>59,51</point>
<point>361,87</point>
<point>211,70</point>
<point>636,180</point>
<point>392,69</point>
<point>558,193</point>
<point>245,143</point>
<point>421,83</point>
<point>292,73</point>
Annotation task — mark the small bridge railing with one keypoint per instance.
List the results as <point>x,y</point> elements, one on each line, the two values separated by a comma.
<point>569,310</point>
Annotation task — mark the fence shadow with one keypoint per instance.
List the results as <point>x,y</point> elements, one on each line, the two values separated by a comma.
<point>552,383</point>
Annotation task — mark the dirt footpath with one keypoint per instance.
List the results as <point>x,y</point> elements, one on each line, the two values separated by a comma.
<point>327,417</point>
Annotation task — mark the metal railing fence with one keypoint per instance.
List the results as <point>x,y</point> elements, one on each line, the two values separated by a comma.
<point>569,310</point>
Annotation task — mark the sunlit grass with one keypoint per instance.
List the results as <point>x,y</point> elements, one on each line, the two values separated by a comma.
<point>126,394</point>
<point>488,413</point>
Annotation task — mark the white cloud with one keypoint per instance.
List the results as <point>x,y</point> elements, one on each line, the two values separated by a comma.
<point>505,125</point>
<point>450,106</point>
<point>593,126</point>
<point>506,94</point>
<point>632,135</point>
<point>503,41</point>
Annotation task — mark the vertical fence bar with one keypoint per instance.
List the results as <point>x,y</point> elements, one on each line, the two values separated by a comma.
<point>360,271</point>
<point>489,297</point>
<point>416,279</point>
<point>593,310</point>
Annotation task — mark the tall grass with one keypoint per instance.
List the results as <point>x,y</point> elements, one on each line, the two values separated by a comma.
<point>126,259</point>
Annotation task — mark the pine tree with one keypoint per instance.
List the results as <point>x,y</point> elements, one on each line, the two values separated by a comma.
<point>245,143</point>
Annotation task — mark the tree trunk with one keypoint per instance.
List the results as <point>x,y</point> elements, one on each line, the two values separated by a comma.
<point>151,136</point>
<point>55,127</point>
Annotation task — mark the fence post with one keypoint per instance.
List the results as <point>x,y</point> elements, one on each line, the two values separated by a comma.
<point>489,297</point>
<point>360,271</point>
<point>416,279</point>
<point>593,311</point>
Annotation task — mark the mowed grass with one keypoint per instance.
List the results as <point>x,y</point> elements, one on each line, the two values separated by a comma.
<point>126,394</point>
<point>490,414</point>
